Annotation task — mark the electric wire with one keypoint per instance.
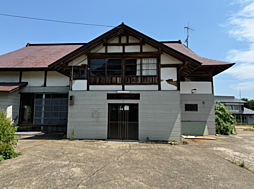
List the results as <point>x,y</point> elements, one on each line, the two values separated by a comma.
<point>50,20</point>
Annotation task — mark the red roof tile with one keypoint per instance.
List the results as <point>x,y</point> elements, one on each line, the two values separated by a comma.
<point>40,56</point>
<point>11,87</point>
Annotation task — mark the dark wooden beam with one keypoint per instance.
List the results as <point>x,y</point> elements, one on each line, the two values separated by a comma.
<point>88,73</point>
<point>170,65</point>
<point>45,79</point>
<point>20,76</point>
<point>129,55</point>
<point>122,44</point>
<point>178,78</point>
<point>159,72</point>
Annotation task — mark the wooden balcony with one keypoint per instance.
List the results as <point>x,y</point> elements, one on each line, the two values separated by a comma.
<point>113,80</point>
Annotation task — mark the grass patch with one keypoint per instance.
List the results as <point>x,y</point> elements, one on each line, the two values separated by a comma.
<point>244,124</point>
<point>249,129</point>
<point>241,164</point>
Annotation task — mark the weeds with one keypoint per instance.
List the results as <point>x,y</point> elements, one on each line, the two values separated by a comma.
<point>241,164</point>
<point>173,142</point>
<point>73,134</point>
<point>249,129</point>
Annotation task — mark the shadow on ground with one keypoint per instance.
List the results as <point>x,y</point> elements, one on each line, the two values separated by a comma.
<point>43,136</point>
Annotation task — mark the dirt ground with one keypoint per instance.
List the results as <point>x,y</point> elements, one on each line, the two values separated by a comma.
<point>47,161</point>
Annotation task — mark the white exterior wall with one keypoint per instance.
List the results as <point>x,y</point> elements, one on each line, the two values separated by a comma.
<point>98,49</point>
<point>56,79</point>
<point>9,76</point>
<point>10,103</point>
<point>115,49</point>
<point>79,61</point>
<point>159,114</point>
<point>105,87</point>
<point>141,87</point>
<point>201,87</point>
<point>133,40</point>
<point>149,48</point>
<point>79,85</point>
<point>135,48</point>
<point>168,73</point>
<point>34,78</point>
<point>167,59</point>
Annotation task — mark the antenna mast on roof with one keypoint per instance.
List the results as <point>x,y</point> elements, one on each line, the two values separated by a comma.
<point>187,39</point>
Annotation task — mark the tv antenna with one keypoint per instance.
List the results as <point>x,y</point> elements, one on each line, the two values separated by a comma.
<point>188,35</point>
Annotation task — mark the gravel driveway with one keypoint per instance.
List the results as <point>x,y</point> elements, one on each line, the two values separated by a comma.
<point>47,163</point>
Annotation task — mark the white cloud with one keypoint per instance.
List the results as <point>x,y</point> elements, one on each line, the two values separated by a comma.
<point>246,86</point>
<point>243,71</point>
<point>241,27</point>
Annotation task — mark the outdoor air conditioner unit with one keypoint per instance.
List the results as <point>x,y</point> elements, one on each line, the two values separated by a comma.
<point>71,100</point>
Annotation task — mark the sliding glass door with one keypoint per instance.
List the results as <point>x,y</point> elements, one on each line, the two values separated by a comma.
<point>123,121</point>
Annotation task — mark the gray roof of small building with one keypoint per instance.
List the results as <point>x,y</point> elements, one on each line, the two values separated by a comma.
<point>228,99</point>
<point>248,111</point>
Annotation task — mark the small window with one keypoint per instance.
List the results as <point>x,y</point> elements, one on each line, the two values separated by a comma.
<point>79,74</point>
<point>191,107</point>
<point>123,96</point>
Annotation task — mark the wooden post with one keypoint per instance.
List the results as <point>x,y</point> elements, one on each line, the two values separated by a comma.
<point>178,79</point>
<point>88,73</point>
<point>159,72</point>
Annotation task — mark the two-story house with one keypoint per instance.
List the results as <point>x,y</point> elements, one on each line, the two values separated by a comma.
<point>121,85</point>
<point>236,107</point>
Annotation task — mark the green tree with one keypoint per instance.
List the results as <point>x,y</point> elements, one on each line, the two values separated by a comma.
<point>8,140</point>
<point>249,104</point>
<point>223,119</point>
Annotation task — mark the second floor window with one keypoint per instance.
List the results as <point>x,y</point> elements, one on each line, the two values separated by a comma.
<point>141,67</point>
<point>106,67</point>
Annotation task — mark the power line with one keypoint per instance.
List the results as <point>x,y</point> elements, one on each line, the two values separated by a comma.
<point>59,21</point>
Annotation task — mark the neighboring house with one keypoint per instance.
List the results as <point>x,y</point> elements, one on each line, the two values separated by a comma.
<point>236,107</point>
<point>121,85</point>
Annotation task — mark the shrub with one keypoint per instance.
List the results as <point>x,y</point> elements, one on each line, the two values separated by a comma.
<point>8,140</point>
<point>224,120</point>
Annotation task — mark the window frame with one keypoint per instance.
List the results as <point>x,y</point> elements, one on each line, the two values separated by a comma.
<point>195,110</point>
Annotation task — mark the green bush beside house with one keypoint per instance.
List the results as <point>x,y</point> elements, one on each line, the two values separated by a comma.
<point>8,140</point>
<point>224,120</point>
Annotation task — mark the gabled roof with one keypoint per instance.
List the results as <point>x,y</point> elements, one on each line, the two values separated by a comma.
<point>53,56</point>
<point>11,87</point>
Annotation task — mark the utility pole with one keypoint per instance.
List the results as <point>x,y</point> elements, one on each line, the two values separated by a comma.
<point>187,39</point>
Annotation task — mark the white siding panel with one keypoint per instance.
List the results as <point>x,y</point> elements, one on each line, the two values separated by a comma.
<point>141,87</point>
<point>98,49</point>
<point>168,73</point>
<point>201,87</point>
<point>114,49</point>
<point>123,40</point>
<point>105,87</point>
<point>132,48</point>
<point>79,85</point>
<point>56,79</point>
<point>115,40</point>
<point>149,48</point>
<point>133,40</point>
<point>8,76</point>
<point>34,78</point>
<point>167,59</point>
<point>79,61</point>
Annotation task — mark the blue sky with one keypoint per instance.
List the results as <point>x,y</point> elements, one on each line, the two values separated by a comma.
<point>224,29</point>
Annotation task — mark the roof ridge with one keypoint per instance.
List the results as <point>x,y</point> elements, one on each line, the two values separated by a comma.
<point>48,44</point>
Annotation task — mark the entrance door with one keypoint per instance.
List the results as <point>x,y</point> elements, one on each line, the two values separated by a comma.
<point>123,121</point>
<point>27,108</point>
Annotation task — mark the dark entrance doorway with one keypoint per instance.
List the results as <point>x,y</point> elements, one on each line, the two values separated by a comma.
<point>123,121</point>
<point>27,108</point>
